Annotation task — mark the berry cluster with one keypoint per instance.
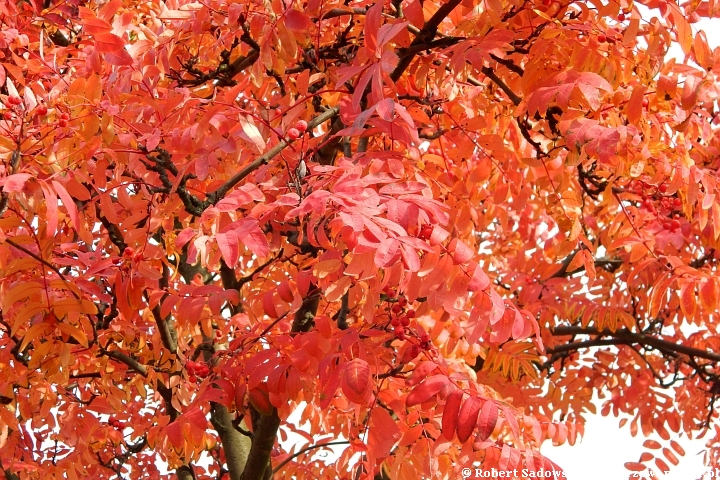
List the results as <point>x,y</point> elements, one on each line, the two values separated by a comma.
<point>401,318</point>
<point>196,369</point>
<point>14,105</point>
<point>400,315</point>
<point>115,423</point>
<point>667,207</point>
<point>299,128</point>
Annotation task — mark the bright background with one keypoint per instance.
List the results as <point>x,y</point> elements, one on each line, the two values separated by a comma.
<point>602,454</point>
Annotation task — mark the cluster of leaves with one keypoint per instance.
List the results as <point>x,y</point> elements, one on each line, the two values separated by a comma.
<point>431,231</point>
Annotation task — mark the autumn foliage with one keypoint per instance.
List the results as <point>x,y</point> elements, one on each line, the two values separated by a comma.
<point>235,233</point>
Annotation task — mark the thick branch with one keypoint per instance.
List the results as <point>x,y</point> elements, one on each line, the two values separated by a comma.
<point>627,337</point>
<point>185,473</point>
<point>129,361</point>
<point>490,73</point>
<point>263,441</point>
<point>235,444</point>
<point>167,331</point>
<point>424,36</point>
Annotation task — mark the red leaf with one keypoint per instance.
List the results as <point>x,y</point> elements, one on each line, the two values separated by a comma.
<point>386,253</point>
<point>421,372</point>
<point>261,400</point>
<point>479,280</point>
<point>228,244</point>
<point>95,26</point>
<point>635,466</point>
<point>487,420</point>
<point>356,383</point>
<point>109,43</point>
<point>652,444</point>
<point>297,21</point>
<point>468,418</point>
<point>426,390</point>
<point>119,58</point>
<point>14,183</point>
<point>460,252</point>
<point>450,413</point>
<point>286,292</point>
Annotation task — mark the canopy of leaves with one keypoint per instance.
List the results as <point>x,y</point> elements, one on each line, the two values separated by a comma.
<point>433,230</point>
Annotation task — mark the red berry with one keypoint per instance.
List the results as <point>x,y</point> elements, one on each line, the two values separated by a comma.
<point>410,313</point>
<point>64,116</point>
<point>402,301</point>
<point>293,133</point>
<point>8,115</point>
<point>675,224</point>
<point>278,112</point>
<point>301,125</point>
<point>41,110</point>
<point>662,188</point>
<point>396,308</point>
<point>677,202</point>
<point>414,351</point>
<point>62,123</point>
<point>602,38</point>
<point>645,102</point>
<point>111,420</point>
<point>404,320</point>
<point>400,336</point>
<point>128,252</point>
<point>425,231</point>
<point>390,292</point>
<point>621,17</point>
<point>398,330</point>
<point>192,379</point>
<point>424,338</point>
<point>395,322</point>
<point>14,100</point>
<point>666,225</point>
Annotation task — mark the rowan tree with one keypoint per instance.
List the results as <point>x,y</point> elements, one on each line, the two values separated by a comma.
<point>430,230</point>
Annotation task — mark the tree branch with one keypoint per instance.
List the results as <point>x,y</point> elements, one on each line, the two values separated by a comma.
<point>218,194</point>
<point>264,434</point>
<point>235,444</point>
<point>128,360</point>
<point>490,73</point>
<point>307,449</point>
<point>627,337</point>
<point>424,36</point>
